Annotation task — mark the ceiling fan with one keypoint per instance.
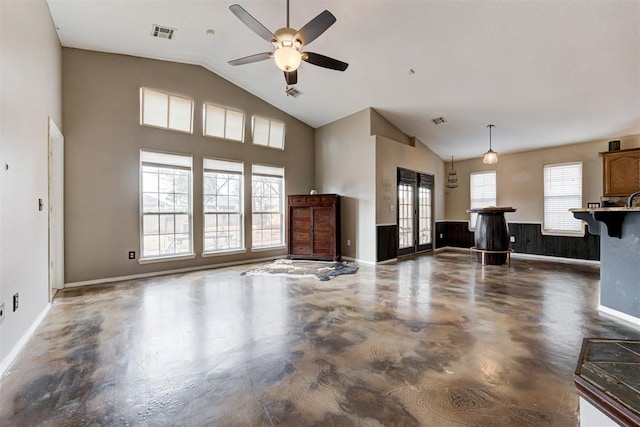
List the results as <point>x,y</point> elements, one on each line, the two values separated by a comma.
<point>288,43</point>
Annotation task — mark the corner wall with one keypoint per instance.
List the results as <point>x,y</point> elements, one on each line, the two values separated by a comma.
<point>30,88</point>
<point>345,164</point>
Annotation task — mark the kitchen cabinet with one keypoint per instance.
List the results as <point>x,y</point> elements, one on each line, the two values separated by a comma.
<point>621,172</point>
<point>314,227</point>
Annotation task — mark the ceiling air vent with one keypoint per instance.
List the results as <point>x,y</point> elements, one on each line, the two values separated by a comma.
<point>438,120</point>
<point>292,91</point>
<point>163,32</point>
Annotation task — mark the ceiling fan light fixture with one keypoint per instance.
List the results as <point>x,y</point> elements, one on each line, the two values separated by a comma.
<point>287,58</point>
<point>490,157</point>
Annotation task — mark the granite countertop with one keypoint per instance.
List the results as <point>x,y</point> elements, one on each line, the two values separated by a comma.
<point>608,376</point>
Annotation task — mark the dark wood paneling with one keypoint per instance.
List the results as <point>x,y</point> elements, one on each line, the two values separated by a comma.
<point>387,238</point>
<point>528,240</point>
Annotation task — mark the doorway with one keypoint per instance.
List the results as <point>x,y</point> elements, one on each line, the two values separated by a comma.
<point>415,212</point>
<point>56,209</point>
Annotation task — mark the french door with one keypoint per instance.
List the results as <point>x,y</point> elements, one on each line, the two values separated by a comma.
<point>415,212</point>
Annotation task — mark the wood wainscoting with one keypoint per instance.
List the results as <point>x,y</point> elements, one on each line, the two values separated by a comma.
<point>528,240</point>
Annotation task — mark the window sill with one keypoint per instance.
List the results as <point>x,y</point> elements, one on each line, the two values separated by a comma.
<point>268,248</point>
<point>563,233</point>
<point>223,253</point>
<point>166,259</point>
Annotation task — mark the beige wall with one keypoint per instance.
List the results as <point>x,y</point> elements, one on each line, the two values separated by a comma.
<point>383,127</point>
<point>345,165</point>
<point>103,141</point>
<point>30,88</point>
<point>391,155</point>
<point>519,178</point>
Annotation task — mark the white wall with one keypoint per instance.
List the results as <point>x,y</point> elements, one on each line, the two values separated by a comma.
<point>30,88</point>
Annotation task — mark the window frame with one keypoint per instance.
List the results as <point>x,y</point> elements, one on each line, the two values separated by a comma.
<point>562,232</point>
<point>225,125</point>
<point>472,216</point>
<point>281,206</point>
<point>271,122</point>
<point>142,213</point>
<point>239,165</point>
<point>169,95</point>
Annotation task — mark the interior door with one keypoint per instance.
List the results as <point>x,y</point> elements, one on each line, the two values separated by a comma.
<point>56,209</point>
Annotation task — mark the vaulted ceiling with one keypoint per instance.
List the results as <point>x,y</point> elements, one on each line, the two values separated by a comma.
<point>545,73</point>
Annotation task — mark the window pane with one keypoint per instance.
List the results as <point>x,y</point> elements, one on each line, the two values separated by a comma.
<point>150,225</point>
<point>151,246</point>
<point>235,125</point>
<point>180,113</point>
<point>150,182</point>
<point>276,137</point>
<point>214,121</point>
<point>150,202</point>
<point>155,108</point>
<point>260,131</point>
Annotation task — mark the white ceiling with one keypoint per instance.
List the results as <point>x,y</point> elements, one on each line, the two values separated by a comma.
<point>544,72</point>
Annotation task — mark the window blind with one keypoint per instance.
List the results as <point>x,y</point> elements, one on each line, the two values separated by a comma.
<point>562,191</point>
<point>483,192</point>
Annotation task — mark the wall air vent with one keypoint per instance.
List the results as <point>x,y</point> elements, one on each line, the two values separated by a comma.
<point>292,91</point>
<point>163,32</point>
<point>438,120</point>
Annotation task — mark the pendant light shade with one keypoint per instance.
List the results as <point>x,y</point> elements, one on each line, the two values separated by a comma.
<point>490,157</point>
<point>452,180</point>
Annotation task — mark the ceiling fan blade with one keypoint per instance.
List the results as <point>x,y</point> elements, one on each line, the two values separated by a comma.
<point>252,58</point>
<point>291,77</point>
<point>324,61</point>
<point>252,23</point>
<point>315,27</point>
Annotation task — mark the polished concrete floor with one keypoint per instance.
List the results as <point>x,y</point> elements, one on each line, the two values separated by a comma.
<point>434,341</point>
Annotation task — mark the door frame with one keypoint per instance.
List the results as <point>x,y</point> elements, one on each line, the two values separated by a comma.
<point>416,180</point>
<point>55,211</point>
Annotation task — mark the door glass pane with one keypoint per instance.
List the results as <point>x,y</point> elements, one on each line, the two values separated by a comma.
<point>424,208</point>
<point>405,216</point>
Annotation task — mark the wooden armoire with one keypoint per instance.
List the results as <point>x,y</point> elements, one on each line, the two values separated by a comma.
<point>314,227</point>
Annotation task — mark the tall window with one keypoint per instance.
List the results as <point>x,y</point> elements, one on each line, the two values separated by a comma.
<point>267,205</point>
<point>269,133</point>
<point>165,205</point>
<point>562,191</point>
<point>222,200</point>
<point>166,111</point>
<point>222,122</point>
<point>483,192</point>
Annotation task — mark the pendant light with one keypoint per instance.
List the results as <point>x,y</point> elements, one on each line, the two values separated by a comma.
<point>490,157</point>
<point>452,180</point>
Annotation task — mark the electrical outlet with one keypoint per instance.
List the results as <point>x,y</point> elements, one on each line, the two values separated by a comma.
<point>348,242</point>
<point>441,235</point>
<point>1,312</point>
<point>16,301</point>
<point>512,239</point>
<point>132,254</point>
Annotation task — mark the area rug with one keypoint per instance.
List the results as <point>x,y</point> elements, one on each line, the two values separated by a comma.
<point>300,268</point>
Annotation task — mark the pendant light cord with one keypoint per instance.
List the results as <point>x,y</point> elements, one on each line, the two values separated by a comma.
<point>287,13</point>
<point>489,126</point>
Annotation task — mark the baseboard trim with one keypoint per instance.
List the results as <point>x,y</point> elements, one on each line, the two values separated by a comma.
<point>6,362</point>
<point>165,272</point>
<point>387,261</point>
<point>619,315</point>
<point>358,260</point>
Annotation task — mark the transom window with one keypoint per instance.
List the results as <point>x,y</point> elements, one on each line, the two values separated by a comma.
<point>163,110</point>
<point>562,191</point>
<point>483,193</point>
<point>223,223</point>
<point>267,205</point>
<point>269,133</point>
<point>165,205</point>
<point>221,122</point>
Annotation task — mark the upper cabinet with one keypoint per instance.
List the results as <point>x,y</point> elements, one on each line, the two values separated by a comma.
<point>621,172</point>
